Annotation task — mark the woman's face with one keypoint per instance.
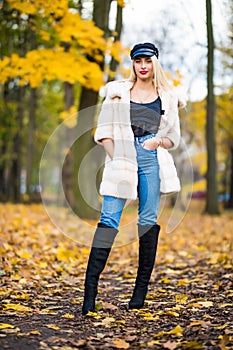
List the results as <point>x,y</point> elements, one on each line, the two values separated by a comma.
<point>143,67</point>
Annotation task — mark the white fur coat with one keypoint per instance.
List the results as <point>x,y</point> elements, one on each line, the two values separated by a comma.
<point>120,173</point>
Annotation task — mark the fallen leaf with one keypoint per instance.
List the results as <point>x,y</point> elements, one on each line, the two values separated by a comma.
<point>177,330</point>
<point>192,345</point>
<point>226,305</point>
<point>109,306</point>
<point>171,345</point>
<point>205,303</point>
<point>121,344</point>
<point>153,342</point>
<point>198,323</point>
<point>52,326</point>
<point>17,307</point>
<point>181,298</point>
<point>5,325</point>
<point>35,332</point>
<point>68,316</point>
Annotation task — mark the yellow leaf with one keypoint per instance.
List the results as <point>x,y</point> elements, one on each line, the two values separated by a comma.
<point>68,316</point>
<point>121,344</point>
<point>192,345</point>
<point>48,312</point>
<point>172,313</point>
<point>165,280</point>
<point>198,323</point>
<point>205,303</point>
<point>5,325</point>
<point>43,264</point>
<point>153,342</point>
<point>24,296</point>
<point>92,314</point>
<point>35,332</point>
<point>181,298</point>
<point>177,330</point>
<point>222,326</point>
<point>226,305</point>
<point>53,326</point>
<point>24,255</point>
<point>98,307</point>
<point>183,282</point>
<point>17,307</point>
<point>146,314</point>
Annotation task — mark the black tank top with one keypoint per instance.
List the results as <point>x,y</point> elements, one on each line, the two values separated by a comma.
<point>145,117</point>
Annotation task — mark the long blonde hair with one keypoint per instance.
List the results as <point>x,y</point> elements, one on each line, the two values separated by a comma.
<point>160,80</point>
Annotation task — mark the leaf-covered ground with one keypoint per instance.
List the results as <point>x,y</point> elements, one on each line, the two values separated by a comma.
<point>189,304</point>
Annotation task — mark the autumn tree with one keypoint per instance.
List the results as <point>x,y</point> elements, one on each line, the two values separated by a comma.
<point>226,113</point>
<point>212,191</point>
<point>34,58</point>
<point>89,97</point>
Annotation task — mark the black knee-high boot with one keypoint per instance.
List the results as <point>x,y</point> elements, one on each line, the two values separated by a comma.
<point>101,247</point>
<point>148,241</point>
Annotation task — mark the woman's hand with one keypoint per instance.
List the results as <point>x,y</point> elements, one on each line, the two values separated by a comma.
<point>151,144</point>
<point>108,145</point>
<point>154,143</point>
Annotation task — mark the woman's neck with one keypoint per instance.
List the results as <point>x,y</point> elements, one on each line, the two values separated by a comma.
<point>144,84</point>
<point>143,92</point>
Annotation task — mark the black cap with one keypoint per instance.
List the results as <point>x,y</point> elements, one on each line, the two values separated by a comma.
<point>145,49</point>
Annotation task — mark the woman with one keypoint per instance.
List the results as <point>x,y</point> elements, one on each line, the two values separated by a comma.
<point>139,116</point>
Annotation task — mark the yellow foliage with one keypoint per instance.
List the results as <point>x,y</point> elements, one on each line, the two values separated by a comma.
<point>116,50</point>
<point>26,7</point>
<point>69,117</point>
<point>51,64</point>
<point>121,3</point>
<point>88,36</point>
<point>43,8</point>
<point>44,35</point>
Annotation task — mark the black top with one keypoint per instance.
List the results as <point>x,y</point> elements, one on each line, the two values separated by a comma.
<point>145,117</point>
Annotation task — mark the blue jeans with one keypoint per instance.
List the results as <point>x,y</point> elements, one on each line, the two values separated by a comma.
<point>148,190</point>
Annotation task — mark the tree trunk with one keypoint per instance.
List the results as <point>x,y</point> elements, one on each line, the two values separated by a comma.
<point>68,167</point>
<point>4,145</point>
<point>16,167</point>
<point>212,193</point>
<point>229,204</point>
<point>118,29</point>
<point>3,176</point>
<point>85,143</point>
<point>30,143</point>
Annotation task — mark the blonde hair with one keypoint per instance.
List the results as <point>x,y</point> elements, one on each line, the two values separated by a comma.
<point>160,80</point>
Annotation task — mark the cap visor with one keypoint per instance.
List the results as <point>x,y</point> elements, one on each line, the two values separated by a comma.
<point>143,52</point>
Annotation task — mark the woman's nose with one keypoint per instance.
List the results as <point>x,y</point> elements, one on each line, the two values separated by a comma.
<point>143,65</point>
